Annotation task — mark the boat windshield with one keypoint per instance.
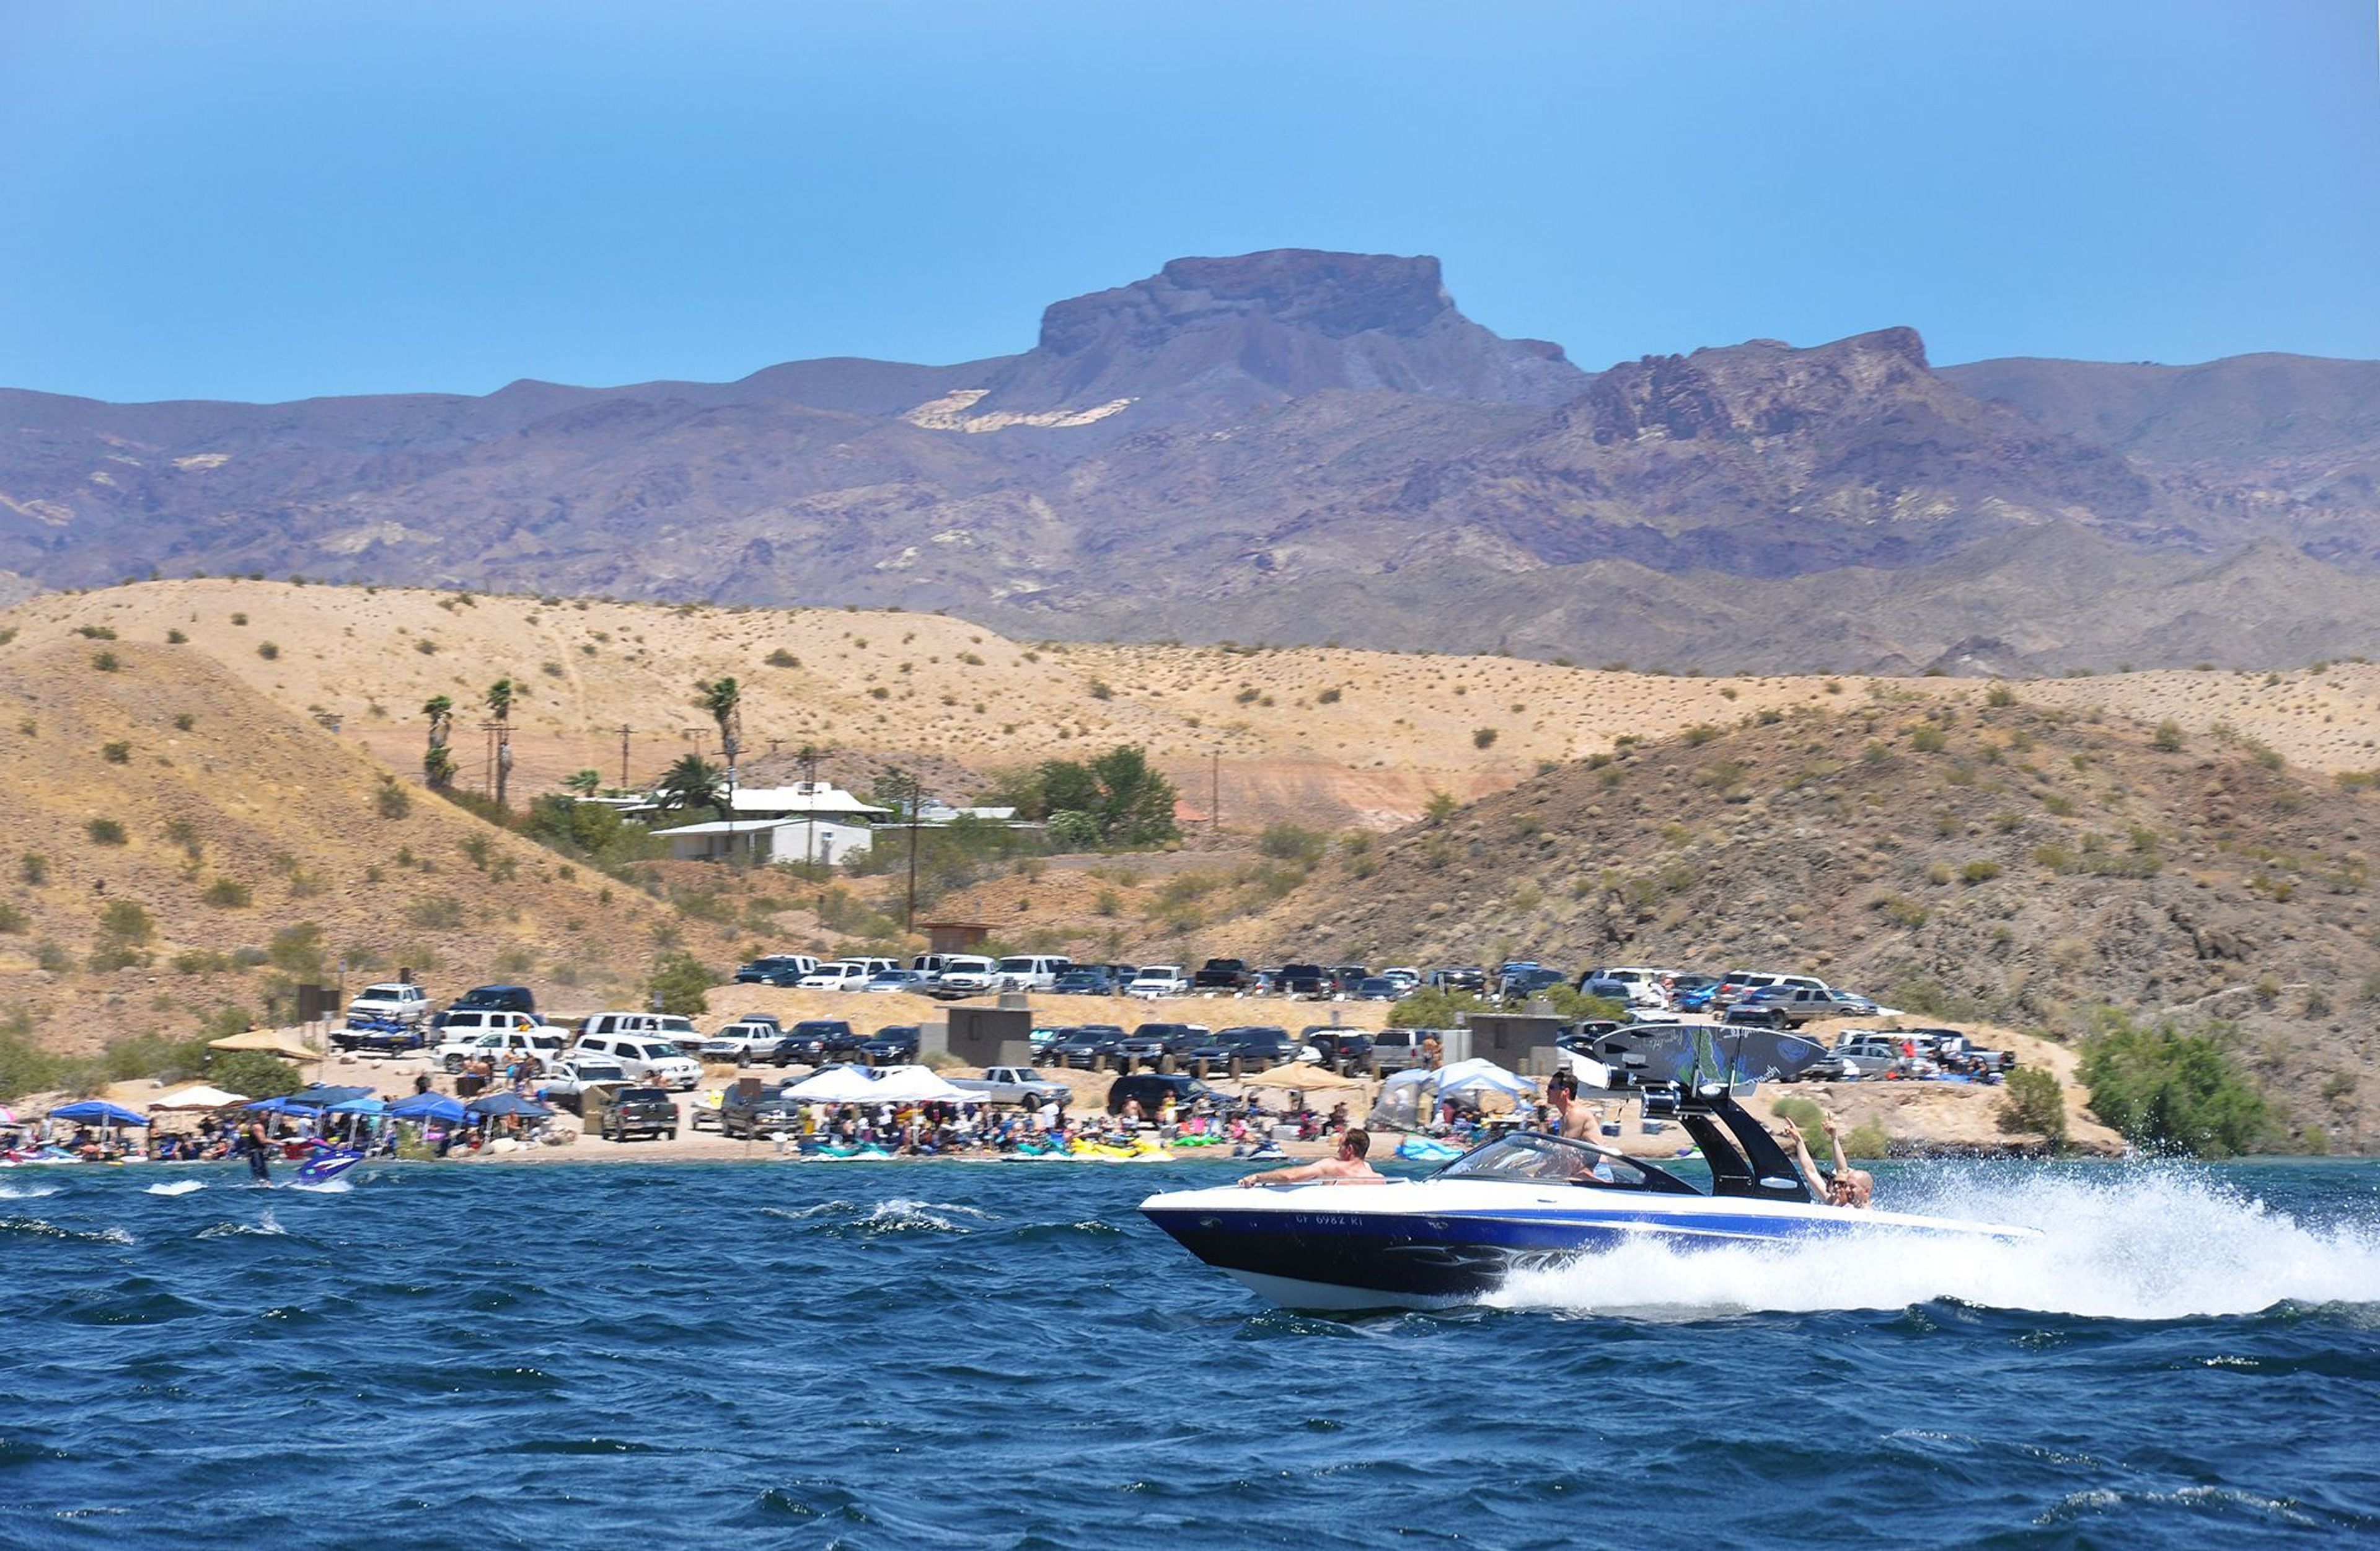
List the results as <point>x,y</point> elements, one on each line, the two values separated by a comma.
<point>1551,1160</point>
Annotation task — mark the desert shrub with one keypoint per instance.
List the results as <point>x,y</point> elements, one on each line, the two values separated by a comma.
<point>1483,737</point>
<point>1980,872</point>
<point>1329,697</point>
<point>1928,740</point>
<point>1434,1007</point>
<point>2166,1089</point>
<point>229,893</point>
<point>1866,1140</point>
<point>35,868</point>
<point>1999,695</point>
<point>106,662</point>
<point>1803,1112</point>
<point>2034,1102</point>
<point>267,650</point>
<point>176,637</point>
<point>105,832</point>
<point>257,1073</point>
<point>678,985</point>
<point>1290,842</point>
<point>297,949</point>
<point>13,921</point>
<point>2167,738</point>
<point>438,912</point>
<point>392,801</point>
<point>117,753</point>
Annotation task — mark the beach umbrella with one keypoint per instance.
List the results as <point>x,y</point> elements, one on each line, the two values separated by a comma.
<point>100,1110</point>
<point>429,1106</point>
<point>506,1103</point>
<point>271,1043</point>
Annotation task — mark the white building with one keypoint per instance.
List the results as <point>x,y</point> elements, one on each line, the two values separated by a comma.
<point>809,821</point>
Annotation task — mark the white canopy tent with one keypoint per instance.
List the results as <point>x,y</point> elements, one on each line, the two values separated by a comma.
<point>201,1096</point>
<point>917,1085</point>
<point>1407,1098</point>
<point>836,1085</point>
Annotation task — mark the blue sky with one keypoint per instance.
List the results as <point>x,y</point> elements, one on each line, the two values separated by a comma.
<point>254,200</point>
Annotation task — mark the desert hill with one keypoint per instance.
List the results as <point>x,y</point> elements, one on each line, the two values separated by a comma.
<point>2017,862</point>
<point>1306,447</point>
<point>1334,737</point>
<point>176,839</point>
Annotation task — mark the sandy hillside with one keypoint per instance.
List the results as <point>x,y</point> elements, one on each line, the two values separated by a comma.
<point>165,815</point>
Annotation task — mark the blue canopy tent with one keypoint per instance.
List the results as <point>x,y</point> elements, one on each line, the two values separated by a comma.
<point>320,1095</point>
<point>367,1106</point>
<point>429,1106</point>
<point>100,1110</point>
<point>507,1103</point>
<point>282,1106</point>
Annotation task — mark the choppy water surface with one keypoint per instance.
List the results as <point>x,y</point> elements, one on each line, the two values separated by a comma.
<point>893,1355</point>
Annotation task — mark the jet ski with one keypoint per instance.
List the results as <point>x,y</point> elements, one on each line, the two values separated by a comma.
<point>1528,1200</point>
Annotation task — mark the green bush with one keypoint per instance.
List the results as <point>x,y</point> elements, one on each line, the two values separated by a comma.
<point>1866,1140</point>
<point>228,892</point>
<point>105,832</point>
<point>2166,1089</point>
<point>679,981</point>
<point>1803,1112</point>
<point>257,1073</point>
<point>2034,1102</point>
<point>1435,1008</point>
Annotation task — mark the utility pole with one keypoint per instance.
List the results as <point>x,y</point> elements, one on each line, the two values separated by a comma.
<point>1215,793</point>
<point>914,792</point>
<point>624,730</point>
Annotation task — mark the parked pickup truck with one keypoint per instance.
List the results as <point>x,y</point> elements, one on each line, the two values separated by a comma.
<point>1223,974</point>
<point>639,1112</point>
<point>753,1037</point>
<point>1016,1085</point>
<point>1954,1051</point>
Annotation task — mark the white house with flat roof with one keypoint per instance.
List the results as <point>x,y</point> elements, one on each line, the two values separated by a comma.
<point>809,821</point>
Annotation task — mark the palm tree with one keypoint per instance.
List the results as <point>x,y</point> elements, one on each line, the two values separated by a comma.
<point>437,764</point>
<point>692,782</point>
<point>500,695</point>
<point>584,783</point>
<point>724,701</point>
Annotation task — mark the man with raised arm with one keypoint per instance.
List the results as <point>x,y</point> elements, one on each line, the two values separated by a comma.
<point>1846,1186</point>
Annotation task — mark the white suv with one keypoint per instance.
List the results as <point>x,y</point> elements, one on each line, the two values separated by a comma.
<point>500,1045</point>
<point>1033,971</point>
<point>395,1002</point>
<point>848,975</point>
<point>648,1057</point>
<point>970,972</point>
<point>1158,979</point>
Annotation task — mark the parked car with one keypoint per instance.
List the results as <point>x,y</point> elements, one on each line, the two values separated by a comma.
<point>1396,1049</point>
<point>1023,1085</point>
<point>1148,1043</point>
<point>1404,975</point>
<point>1736,983</point>
<point>500,1036</point>
<point>674,1027</point>
<point>1083,1047</point>
<point>1199,1047</point>
<point>754,1113</point>
<point>752,1037</point>
<point>1302,979</point>
<point>567,1083</point>
<point>1853,1058</point>
<point>968,975</point>
<point>893,1046</point>
<point>1258,1046</point>
<point>846,975</point>
<point>639,1112</point>
<point>1380,988</point>
<point>390,1002</point>
<point>1527,981</point>
<point>498,998</point>
<point>1223,974</point>
<point>1341,1050</point>
<point>1091,979</point>
<point>1032,971</point>
<point>1152,1089</point>
<point>1157,980</point>
<point>1467,977</point>
<point>1798,1005</point>
<point>777,969</point>
<point>1344,978</point>
<point>646,1057</point>
<point>895,980</point>
<point>807,1040</point>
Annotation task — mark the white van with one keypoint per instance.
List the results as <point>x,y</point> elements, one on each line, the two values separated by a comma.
<point>670,1026</point>
<point>1033,971</point>
<point>648,1057</point>
<point>500,1045</point>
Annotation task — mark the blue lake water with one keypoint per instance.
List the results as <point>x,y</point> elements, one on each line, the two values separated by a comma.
<point>976,1355</point>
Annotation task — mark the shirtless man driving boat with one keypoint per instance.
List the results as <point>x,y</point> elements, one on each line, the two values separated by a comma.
<point>1349,1167</point>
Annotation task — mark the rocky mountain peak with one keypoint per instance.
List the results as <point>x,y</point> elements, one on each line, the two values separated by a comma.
<point>1204,334</point>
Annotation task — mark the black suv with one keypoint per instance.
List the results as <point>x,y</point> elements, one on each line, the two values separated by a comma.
<point>640,1112</point>
<point>496,999</point>
<point>765,1110</point>
<point>809,1041</point>
<point>1259,1046</point>
<point>1084,1046</point>
<point>774,970</point>
<point>1152,1042</point>
<point>1085,980</point>
<point>893,1046</point>
<point>1302,979</point>
<point>1223,974</point>
<point>1343,1050</point>
<point>1152,1089</point>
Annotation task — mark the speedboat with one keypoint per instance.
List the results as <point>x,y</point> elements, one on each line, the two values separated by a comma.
<point>1523,1201</point>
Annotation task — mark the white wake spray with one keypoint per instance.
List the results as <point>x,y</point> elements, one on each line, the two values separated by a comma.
<point>2147,1243</point>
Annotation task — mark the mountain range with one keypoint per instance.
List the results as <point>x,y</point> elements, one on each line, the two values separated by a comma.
<point>1302,447</point>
